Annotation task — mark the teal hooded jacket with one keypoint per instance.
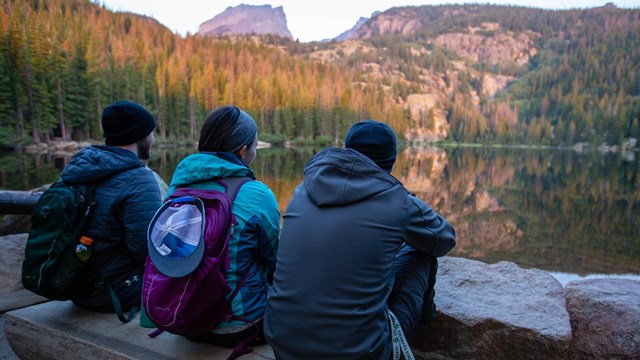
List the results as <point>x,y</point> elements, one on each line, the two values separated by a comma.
<point>254,242</point>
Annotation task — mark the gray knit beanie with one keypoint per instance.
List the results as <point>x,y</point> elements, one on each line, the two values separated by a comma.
<point>227,129</point>
<point>243,134</point>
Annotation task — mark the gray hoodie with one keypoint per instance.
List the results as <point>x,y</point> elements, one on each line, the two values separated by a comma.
<point>334,269</point>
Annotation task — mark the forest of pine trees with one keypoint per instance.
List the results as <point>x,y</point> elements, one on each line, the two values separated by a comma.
<point>62,61</point>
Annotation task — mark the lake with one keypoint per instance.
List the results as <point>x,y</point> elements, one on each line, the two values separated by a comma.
<point>574,214</point>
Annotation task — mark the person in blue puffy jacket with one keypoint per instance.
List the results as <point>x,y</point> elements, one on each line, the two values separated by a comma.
<point>357,256</point>
<point>127,196</point>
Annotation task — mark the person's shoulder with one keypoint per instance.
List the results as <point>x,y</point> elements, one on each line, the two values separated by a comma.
<point>256,194</point>
<point>256,197</point>
<point>257,187</point>
<point>136,170</point>
<point>114,160</point>
<point>415,200</point>
<point>136,176</point>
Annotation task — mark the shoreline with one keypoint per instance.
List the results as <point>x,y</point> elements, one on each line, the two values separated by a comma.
<point>628,147</point>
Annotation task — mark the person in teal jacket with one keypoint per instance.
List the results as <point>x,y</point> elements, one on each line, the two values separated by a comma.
<point>227,146</point>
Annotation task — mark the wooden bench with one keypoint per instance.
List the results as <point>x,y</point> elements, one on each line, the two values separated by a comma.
<point>17,299</point>
<point>59,330</point>
<point>12,294</point>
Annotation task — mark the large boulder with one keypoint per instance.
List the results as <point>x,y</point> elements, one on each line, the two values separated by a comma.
<point>497,311</point>
<point>605,318</point>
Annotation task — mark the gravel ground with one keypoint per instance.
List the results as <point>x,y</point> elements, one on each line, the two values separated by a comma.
<point>5,350</point>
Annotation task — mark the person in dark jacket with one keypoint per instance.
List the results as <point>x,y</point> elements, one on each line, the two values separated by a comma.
<point>354,245</point>
<point>127,196</point>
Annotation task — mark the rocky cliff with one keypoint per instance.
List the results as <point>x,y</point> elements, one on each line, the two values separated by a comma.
<point>435,88</point>
<point>248,19</point>
<point>490,48</point>
<point>396,22</point>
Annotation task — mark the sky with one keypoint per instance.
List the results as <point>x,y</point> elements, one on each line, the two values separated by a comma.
<point>309,20</point>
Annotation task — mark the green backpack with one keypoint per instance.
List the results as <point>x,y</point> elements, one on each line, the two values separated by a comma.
<point>60,217</point>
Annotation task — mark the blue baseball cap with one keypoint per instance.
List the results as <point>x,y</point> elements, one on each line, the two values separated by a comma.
<point>176,236</point>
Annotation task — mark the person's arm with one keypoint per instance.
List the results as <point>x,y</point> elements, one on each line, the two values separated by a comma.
<point>270,235</point>
<point>142,200</point>
<point>427,231</point>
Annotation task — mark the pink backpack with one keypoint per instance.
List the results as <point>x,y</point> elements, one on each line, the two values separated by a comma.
<point>185,291</point>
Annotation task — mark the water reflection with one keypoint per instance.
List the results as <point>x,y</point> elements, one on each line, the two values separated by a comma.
<point>564,278</point>
<point>557,210</point>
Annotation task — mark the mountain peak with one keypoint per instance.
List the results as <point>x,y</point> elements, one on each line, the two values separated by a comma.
<point>353,32</point>
<point>247,19</point>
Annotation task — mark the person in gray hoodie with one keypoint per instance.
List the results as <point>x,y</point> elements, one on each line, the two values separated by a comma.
<point>127,196</point>
<point>356,254</point>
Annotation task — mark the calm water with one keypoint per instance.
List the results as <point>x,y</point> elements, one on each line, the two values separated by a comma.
<point>574,214</point>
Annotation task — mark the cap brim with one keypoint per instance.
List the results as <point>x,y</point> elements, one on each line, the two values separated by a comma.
<point>175,267</point>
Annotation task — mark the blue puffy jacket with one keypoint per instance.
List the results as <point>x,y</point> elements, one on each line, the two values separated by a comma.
<point>254,242</point>
<point>127,197</point>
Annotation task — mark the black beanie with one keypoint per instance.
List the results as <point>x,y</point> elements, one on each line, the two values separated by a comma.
<point>375,140</point>
<point>125,123</point>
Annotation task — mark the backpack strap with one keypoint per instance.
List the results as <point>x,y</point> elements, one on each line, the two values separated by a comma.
<point>235,292</point>
<point>233,184</point>
<point>118,308</point>
<point>243,347</point>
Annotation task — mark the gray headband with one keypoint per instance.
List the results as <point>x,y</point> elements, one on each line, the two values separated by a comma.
<point>244,133</point>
